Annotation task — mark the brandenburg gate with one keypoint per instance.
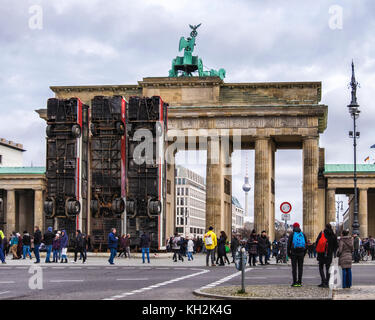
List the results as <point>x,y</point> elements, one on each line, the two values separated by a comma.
<point>225,116</point>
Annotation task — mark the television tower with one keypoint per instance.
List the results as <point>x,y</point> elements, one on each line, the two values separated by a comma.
<point>246,187</point>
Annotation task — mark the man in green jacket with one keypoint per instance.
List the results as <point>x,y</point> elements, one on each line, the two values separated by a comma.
<point>210,241</point>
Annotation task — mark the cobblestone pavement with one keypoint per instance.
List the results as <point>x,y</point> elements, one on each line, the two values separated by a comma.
<point>355,293</point>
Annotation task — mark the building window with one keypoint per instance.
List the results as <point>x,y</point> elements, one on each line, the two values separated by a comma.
<point>227,186</point>
<point>187,191</point>
<point>182,191</point>
<point>178,191</point>
<point>1,159</point>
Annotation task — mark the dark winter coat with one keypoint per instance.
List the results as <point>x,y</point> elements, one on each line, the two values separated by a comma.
<point>127,242</point>
<point>356,243</point>
<point>345,252</point>
<point>326,257</point>
<point>48,238</point>
<point>123,242</point>
<point>112,241</point>
<point>296,251</point>
<point>64,240</point>
<point>234,244</point>
<point>78,243</point>
<point>263,245</point>
<point>56,244</point>
<point>145,241</point>
<point>252,244</point>
<point>37,237</point>
<point>221,246</point>
<point>26,240</point>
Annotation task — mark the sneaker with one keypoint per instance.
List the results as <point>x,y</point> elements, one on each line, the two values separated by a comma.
<point>294,285</point>
<point>322,285</point>
<point>299,284</point>
<point>4,262</point>
<point>74,262</point>
<point>213,265</point>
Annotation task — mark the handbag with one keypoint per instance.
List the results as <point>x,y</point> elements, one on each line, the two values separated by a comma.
<point>227,249</point>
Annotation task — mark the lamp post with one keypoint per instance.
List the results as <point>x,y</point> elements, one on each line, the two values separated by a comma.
<point>339,208</point>
<point>354,112</point>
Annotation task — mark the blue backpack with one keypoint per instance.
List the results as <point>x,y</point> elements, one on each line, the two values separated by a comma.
<point>299,240</point>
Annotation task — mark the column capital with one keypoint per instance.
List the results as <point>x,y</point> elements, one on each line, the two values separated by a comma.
<point>262,138</point>
<point>310,137</point>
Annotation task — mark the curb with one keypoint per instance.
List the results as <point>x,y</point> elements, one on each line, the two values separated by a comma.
<point>200,293</point>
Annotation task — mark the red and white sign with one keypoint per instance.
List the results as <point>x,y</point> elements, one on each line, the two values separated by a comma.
<point>285,207</point>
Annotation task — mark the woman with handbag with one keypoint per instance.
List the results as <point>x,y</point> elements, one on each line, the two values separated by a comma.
<point>345,254</point>
<point>221,249</point>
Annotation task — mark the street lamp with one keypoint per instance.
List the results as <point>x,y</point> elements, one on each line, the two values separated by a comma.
<point>354,112</point>
<point>339,208</point>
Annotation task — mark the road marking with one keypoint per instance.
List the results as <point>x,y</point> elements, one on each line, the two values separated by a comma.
<point>133,279</point>
<point>164,269</point>
<point>123,295</point>
<point>58,267</point>
<point>4,292</point>
<point>66,280</point>
<point>5,282</point>
<point>252,278</point>
<point>216,283</point>
<point>22,267</point>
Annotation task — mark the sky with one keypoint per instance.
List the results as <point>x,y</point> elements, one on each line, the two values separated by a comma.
<point>90,42</point>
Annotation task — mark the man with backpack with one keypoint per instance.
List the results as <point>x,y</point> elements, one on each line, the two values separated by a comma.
<point>210,242</point>
<point>296,251</point>
<point>326,246</point>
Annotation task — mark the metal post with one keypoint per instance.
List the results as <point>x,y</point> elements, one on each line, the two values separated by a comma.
<point>243,263</point>
<point>355,218</point>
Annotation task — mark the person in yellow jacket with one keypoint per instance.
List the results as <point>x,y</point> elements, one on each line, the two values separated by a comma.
<point>210,241</point>
<point>2,258</point>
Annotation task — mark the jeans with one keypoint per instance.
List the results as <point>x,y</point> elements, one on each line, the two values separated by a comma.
<point>190,255</point>
<point>36,252</point>
<point>177,252</point>
<point>49,249</point>
<point>2,258</point>
<point>113,255</point>
<point>324,277</point>
<point>346,278</point>
<point>210,252</point>
<point>55,254</point>
<point>146,250</point>
<point>80,250</point>
<point>26,251</point>
<point>297,262</point>
<point>261,258</point>
<point>252,257</point>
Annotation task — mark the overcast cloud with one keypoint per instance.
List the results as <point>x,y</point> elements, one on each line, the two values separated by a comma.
<point>120,42</point>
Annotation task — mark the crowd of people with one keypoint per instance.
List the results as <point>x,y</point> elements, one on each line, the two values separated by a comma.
<point>259,248</point>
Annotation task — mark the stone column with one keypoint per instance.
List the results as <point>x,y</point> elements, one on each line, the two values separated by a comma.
<point>362,215</point>
<point>38,209</point>
<point>311,225</point>
<point>331,206</point>
<point>217,213</point>
<point>11,212</point>
<point>263,212</point>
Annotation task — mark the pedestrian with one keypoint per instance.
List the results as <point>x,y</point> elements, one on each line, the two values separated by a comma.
<point>297,247</point>
<point>145,245</point>
<point>6,246</point>
<point>263,246</point>
<point>372,247</point>
<point>252,247</point>
<point>2,257</point>
<point>310,248</point>
<point>326,246</point>
<point>14,245</point>
<point>190,249</point>
<point>356,247</point>
<point>56,248</point>
<point>221,250</point>
<point>48,241</point>
<point>64,246</point>
<point>275,248</point>
<point>89,244</point>
<point>26,241</point>
<point>37,241</point>
<point>112,245</point>
<point>127,246</point>
<point>78,246</point>
<point>210,243</point>
<point>176,247</point>
<point>19,246</point>
<point>234,246</point>
<point>283,249</point>
<point>345,253</point>
<point>84,247</point>
<point>122,246</point>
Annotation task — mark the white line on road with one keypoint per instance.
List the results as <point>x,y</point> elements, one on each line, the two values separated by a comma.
<point>132,279</point>
<point>4,292</point>
<point>123,295</point>
<point>66,280</point>
<point>216,283</point>
<point>5,282</point>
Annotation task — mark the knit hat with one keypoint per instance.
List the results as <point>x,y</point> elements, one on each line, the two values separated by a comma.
<point>49,229</point>
<point>296,225</point>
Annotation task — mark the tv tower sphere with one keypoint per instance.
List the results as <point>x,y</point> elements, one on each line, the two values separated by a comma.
<point>246,186</point>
